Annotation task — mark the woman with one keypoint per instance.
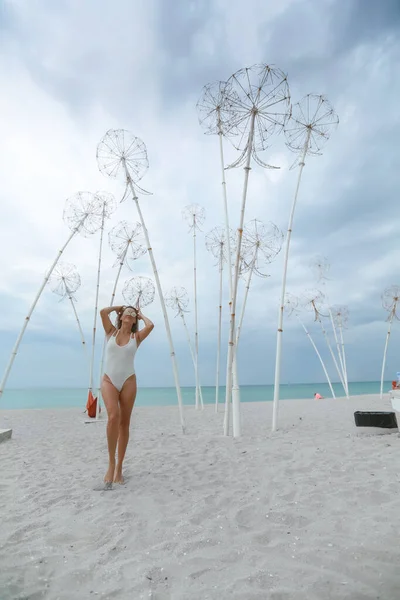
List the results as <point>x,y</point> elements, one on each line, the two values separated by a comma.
<point>118,386</point>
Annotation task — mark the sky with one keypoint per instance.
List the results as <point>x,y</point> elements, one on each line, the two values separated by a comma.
<point>71,70</point>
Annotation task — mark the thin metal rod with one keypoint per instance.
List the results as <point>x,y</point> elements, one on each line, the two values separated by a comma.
<point>96,302</point>
<point>196,326</point>
<point>344,360</point>
<point>319,356</point>
<point>385,350</point>
<point>32,308</point>
<point>221,269</point>
<point>192,354</point>
<point>325,334</point>
<point>79,324</point>
<point>278,356</point>
<point>232,329</point>
<point>161,298</point>
<point>346,391</point>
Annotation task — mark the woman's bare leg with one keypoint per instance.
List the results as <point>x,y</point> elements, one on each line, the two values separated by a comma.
<point>126,402</point>
<point>110,396</point>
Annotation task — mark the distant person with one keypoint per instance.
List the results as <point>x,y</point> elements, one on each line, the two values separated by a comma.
<point>118,386</point>
<point>318,396</point>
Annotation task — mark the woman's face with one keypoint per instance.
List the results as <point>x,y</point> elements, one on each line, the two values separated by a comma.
<point>129,316</point>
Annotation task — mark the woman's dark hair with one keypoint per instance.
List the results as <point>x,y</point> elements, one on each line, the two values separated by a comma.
<point>119,319</point>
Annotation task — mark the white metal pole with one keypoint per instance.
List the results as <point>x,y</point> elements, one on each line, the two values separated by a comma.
<point>236,425</point>
<point>162,302</point>
<point>32,308</point>
<point>232,329</point>
<point>246,294</point>
<point>385,351</point>
<point>339,352</point>
<point>196,335</point>
<point>319,356</point>
<point>283,291</point>
<point>192,354</point>
<point>95,311</point>
<point>221,269</point>
<point>226,213</point>
<point>325,334</point>
<point>344,360</point>
<point>79,324</point>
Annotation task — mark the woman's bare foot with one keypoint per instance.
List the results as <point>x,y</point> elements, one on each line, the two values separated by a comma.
<point>118,477</point>
<point>109,476</point>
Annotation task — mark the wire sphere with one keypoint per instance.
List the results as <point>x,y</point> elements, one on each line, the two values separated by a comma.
<point>320,268</point>
<point>107,202</point>
<point>126,241</point>
<point>139,291</point>
<point>291,305</point>
<point>340,315</point>
<point>64,280</point>
<point>119,149</point>
<point>217,243</point>
<point>391,298</point>
<point>310,124</point>
<point>313,301</point>
<point>195,215</point>
<point>260,92</point>
<point>261,245</point>
<point>83,213</point>
<point>177,299</point>
<point>215,110</point>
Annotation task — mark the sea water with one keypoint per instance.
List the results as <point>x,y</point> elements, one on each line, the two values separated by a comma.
<point>166,396</point>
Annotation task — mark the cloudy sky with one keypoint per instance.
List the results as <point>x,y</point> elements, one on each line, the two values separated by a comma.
<point>71,70</point>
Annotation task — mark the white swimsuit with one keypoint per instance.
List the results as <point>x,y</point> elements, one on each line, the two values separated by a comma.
<point>119,360</point>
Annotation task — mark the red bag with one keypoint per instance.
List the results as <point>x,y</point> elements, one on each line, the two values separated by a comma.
<point>91,405</point>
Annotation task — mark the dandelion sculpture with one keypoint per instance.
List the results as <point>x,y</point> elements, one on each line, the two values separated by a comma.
<point>320,268</point>
<point>261,245</point>
<point>121,154</point>
<point>220,247</point>
<point>306,132</point>
<point>390,302</point>
<point>178,300</point>
<point>195,216</point>
<point>139,291</point>
<point>126,241</point>
<point>217,117</point>
<point>82,214</point>
<point>65,281</point>
<point>340,317</point>
<point>260,102</point>
<point>311,300</point>
<point>108,206</point>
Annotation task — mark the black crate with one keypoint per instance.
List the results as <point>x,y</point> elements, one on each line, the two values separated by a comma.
<point>386,420</point>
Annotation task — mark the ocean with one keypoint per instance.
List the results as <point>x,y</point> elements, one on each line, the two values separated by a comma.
<point>166,396</point>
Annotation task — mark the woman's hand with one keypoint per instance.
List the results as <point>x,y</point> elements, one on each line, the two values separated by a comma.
<point>139,315</point>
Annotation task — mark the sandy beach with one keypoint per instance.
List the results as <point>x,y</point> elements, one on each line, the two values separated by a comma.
<point>308,513</point>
